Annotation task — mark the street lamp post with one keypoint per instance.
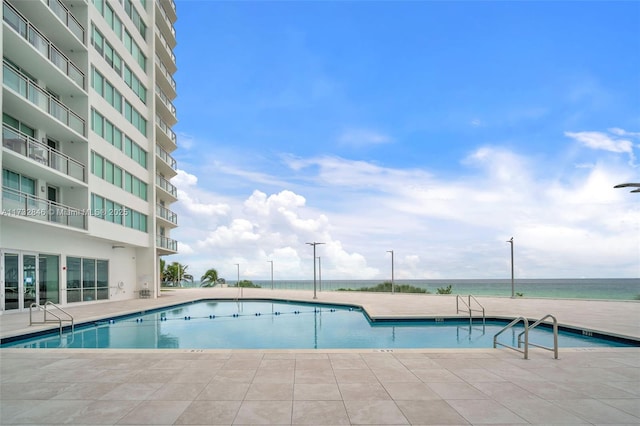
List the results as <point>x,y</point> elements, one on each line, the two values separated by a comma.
<point>393,290</point>
<point>629,185</point>
<point>513,294</point>
<point>314,244</point>
<point>271,261</point>
<point>319,274</point>
<point>238,281</point>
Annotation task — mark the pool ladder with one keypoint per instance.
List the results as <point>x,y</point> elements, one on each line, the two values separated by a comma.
<point>58,318</point>
<point>468,308</point>
<point>525,342</point>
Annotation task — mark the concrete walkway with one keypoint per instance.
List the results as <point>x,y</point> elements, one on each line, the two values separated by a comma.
<point>329,387</point>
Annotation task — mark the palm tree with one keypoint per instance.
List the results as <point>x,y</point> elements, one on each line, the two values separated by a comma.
<point>177,274</point>
<point>163,272</point>
<point>209,279</point>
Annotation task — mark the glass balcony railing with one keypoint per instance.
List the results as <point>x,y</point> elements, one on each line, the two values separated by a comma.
<point>19,83</point>
<point>166,185</point>
<point>43,154</point>
<point>165,100</point>
<point>166,18</point>
<point>61,11</point>
<point>166,243</point>
<point>30,33</point>
<point>165,72</point>
<point>166,214</point>
<point>166,129</point>
<point>165,43</point>
<point>164,155</point>
<point>16,203</point>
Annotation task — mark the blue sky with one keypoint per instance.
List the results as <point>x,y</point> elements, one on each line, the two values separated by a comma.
<point>438,130</point>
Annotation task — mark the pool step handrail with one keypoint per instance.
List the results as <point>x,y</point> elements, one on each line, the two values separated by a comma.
<point>523,344</point>
<point>554,349</point>
<point>58,318</point>
<point>468,309</point>
<point>525,351</point>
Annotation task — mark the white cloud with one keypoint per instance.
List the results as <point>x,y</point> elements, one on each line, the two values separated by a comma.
<point>189,196</point>
<point>363,137</point>
<point>565,224</point>
<point>605,142</point>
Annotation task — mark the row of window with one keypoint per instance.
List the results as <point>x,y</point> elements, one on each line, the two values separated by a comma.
<point>115,61</point>
<point>115,23</point>
<point>105,209</point>
<point>18,182</point>
<point>116,100</point>
<point>87,279</point>
<point>18,125</point>
<point>108,131</point>
<point>113,174</point>
<point>135,18</point>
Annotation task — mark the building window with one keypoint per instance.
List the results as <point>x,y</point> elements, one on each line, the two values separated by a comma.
<point>87,279</point>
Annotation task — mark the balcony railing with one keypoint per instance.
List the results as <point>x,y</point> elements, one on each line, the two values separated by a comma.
<point>165,100</point>
<point>30,33</point>
<point>164,155</point>
<point>19,83</point>
<point>165,72</point>
<point>61,11</point>
<point>43,154</point>
<point>166,214</point>
<point>165,43</point>
<point>166,185</point>
<point>166,243</point>
<point>16,203</point>
<point>166,18</point>
<point>166,129</point>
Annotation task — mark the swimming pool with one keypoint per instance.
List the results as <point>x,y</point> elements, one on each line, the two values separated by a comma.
<point>219,324</point>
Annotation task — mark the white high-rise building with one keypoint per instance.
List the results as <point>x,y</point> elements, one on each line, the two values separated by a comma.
<point>87,112</point>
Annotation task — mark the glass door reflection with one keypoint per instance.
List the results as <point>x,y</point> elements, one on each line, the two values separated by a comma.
<point>11,281</point>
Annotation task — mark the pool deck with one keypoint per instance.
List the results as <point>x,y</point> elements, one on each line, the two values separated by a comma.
<point>329,387</point>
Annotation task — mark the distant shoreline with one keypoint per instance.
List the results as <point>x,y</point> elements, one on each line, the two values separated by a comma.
<point>561,288</point>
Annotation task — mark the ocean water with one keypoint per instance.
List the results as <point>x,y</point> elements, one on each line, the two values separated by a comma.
<point>585,288</point>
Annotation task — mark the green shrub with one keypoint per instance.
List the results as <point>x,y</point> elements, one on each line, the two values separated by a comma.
<point>247,284</point>
<point>385,287</point>
<point>444,290</point>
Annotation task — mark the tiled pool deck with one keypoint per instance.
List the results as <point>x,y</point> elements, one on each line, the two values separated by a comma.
<point>330,387</point>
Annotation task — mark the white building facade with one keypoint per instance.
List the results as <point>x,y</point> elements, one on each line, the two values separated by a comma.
<point>87,118</point>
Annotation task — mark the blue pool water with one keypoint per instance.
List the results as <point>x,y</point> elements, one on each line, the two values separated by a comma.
<point>213,324</point>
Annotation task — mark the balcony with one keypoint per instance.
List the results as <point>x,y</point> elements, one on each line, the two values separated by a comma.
<point>61,11</point>
<point>166,102</point>
<point>16,203</point>
<point>170,82</point>
<point>30,33</point>
<point>166,214</point>
<point>170,10</point>
<point>166,129</point>
<point>43,154</point>
<point>23,86</point>
<point>167,186</point>
<point>164,156</point>
<point>167,21</point>
<point>166,243</point>
<point>166,53</point>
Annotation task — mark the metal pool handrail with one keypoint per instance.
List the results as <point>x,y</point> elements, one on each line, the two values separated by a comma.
<point>526,337</point>
<point>555,335</point>
<point>45,310</point>
<point>468,305</point>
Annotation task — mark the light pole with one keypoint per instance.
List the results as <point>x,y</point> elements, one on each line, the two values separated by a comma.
<point>271,261</point>
<point>238,281</point>
<point>513,295</point>
<point>314,244</point>
<point>319,274</point>
<point>393,290</point>
<point>629,185</point>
